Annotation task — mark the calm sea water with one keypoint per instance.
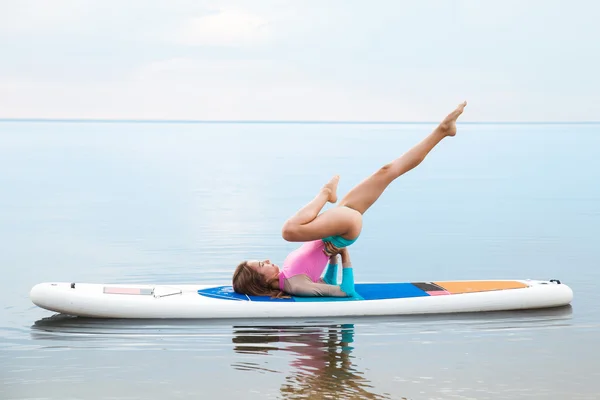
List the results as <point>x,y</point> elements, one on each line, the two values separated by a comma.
<point>181,203</point>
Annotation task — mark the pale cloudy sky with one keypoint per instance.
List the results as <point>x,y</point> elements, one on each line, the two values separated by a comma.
<point>513,60</point>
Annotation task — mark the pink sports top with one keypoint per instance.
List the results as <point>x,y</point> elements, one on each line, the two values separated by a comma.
<point>302,269</point>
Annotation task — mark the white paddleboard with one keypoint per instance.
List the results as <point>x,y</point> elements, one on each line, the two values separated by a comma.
<point>220,301</point>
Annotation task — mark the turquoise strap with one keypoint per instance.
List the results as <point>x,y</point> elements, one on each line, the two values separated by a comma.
<point>331,274</point>
<point>339,241</point>
<point>347,285</point>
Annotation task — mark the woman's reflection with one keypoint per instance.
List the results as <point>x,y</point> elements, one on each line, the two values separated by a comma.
<point>322,364</point>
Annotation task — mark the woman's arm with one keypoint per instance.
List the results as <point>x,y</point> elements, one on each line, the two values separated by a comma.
<point>330,276</point>
<point>301,285</point>
<point>347,285</point>
<point>346,262</point>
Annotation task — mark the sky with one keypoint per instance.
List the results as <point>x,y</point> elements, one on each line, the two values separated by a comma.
<point>379,60</point>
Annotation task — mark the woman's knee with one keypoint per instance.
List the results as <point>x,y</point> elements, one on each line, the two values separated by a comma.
<point>343,221</point>
<point>290,232</point>
<point>387,172</point>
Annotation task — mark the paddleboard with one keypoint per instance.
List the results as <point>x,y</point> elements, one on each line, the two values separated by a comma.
<point>220,301</point>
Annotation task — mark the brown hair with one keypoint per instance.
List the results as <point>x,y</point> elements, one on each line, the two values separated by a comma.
<point>246,280</point>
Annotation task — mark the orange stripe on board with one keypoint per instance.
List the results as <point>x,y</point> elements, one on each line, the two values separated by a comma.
<point>456,287</point>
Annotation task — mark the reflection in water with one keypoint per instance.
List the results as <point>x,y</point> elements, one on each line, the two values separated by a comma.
<point>322,351</point>
<point>323,363</point>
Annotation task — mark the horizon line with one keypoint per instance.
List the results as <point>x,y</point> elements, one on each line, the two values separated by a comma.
<point>249,121</point>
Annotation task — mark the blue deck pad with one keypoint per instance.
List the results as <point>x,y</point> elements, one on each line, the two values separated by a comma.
<point>324,299</point>
<point>227,293</point>
<point>381,291</point>
<point>366,291</point>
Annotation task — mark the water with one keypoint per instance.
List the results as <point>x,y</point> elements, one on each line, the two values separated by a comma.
<point>179,203</point>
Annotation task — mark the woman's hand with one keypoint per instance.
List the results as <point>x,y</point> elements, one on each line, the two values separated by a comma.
<point>331,250</point>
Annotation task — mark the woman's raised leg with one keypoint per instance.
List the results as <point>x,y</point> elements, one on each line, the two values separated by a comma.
<point>363,195</point>
<point>306,224</point>
<point>328,193</point>
<point>346,221</point>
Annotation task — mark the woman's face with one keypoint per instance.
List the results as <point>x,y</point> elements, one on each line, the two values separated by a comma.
<point>265,268</point>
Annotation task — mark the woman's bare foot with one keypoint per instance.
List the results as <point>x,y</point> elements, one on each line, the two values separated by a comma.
<point>331,189</point>
<point>448,125</point>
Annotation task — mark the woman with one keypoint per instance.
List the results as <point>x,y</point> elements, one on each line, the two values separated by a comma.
<point>329,233</point>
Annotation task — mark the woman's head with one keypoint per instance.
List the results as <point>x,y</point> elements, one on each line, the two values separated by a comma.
<point>256,278</point>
